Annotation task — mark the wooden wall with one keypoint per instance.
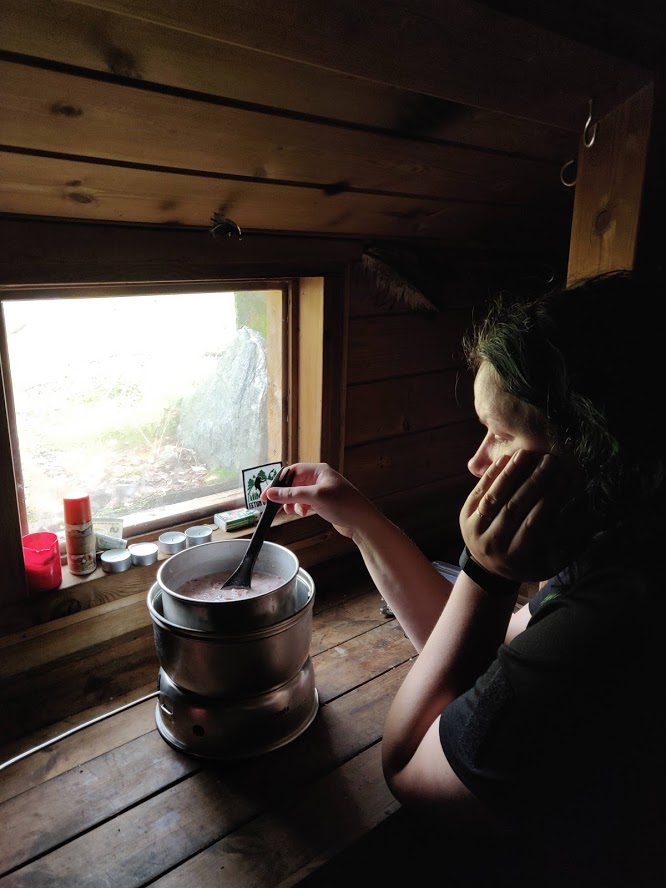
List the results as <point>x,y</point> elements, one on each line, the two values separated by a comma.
<point>410,423</point>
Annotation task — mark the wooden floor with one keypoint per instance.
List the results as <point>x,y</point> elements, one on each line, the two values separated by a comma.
<point>114,805</point>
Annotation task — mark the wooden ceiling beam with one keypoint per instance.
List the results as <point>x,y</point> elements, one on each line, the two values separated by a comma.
<point>459,51</point>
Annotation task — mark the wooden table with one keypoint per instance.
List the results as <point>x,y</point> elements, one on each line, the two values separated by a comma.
<point>114,805</point>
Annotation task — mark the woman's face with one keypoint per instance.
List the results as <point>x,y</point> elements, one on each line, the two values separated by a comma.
<point>510,424</point>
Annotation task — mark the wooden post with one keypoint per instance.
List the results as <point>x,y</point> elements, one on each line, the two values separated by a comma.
<point>610,184</point>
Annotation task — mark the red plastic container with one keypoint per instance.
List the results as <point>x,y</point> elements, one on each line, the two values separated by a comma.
<point>41,554</point>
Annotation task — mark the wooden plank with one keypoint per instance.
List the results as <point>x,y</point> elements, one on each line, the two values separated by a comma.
<point>101,787</point>
<point>310,349</point>
<point>66,639</point>
<point>349,622</point>
<point>74,115</point>
<point>103,41</point>
<point>609,189</point>
<point>34,251</point>
<point>394,464</point>
<point>393,407</point>
<point>429,514</point>
<point>464,52</point>
<point>405,345</point>
<point>74,190</point>
<point>334,387</point>
<point>35,700</point>
<point>147,839</point>
<point>296,838</point>
<point>351,663</point>
<point>57,758</point>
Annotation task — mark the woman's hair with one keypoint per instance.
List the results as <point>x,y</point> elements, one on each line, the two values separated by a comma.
<point>590,357</point>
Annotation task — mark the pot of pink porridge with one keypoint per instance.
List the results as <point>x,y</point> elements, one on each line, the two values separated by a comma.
<point>193,598</point>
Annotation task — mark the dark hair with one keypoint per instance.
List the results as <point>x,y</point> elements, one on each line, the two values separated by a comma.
<point>590,357</point>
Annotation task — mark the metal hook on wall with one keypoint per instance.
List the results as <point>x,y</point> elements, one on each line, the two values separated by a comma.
<point>568,183</point>
<point>223,224</point>
<point>589,135</point>
<point>590,131</point>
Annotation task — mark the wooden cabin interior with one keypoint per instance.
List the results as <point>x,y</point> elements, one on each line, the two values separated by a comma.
<point>399,164</point>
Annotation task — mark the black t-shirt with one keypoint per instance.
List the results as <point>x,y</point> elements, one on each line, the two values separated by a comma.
<point>563,735</point>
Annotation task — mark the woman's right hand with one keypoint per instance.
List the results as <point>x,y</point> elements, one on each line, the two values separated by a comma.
<point>318,488</point>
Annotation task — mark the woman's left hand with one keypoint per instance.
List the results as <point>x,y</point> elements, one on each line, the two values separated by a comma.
<point>509,521</point>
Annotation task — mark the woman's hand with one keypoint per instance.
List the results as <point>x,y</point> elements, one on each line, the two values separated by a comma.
<point>319,488</point>
<point>511,522</point>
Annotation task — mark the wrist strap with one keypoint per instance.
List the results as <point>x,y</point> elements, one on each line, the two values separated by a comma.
<point>491,583</point>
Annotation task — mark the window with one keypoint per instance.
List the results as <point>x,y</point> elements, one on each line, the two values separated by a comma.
<point>151,400</point>
<point>305,331</point>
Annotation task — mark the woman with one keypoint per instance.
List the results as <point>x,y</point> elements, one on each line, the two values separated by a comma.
<point>544,724</point>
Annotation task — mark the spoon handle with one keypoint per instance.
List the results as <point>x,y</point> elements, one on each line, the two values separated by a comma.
<point>270,511</point>
<point>242,576</point>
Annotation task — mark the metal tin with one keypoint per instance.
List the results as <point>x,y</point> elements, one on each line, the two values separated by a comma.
<point>199,534</point>
<point>172,541</point>
<point>143,553</point>
<point>116,560</point>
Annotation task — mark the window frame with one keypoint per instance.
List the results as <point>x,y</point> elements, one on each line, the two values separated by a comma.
<point>316,334</point>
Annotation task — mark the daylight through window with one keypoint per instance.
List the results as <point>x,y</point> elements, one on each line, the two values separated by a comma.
<point>152,403</point>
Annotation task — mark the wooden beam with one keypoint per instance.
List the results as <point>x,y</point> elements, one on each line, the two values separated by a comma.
<point>459,51</point>
<point>109,44</point>
<point>37,252</point>
<point>81,118</point>
<point>609,189</point>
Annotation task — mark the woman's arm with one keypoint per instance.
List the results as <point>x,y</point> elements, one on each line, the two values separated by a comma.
<point>405,578</point>
<point>508,533</point>
<point>460,648</point>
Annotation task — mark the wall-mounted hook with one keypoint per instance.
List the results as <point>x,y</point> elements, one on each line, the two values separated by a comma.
<point>590,131</point>
<point>224,225</point>
<point>568,183</point>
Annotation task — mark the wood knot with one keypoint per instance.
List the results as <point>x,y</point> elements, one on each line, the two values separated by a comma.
<point>66,110</point>
<point>603,221</point>
<point>79,197</point>
<point>122,63</point>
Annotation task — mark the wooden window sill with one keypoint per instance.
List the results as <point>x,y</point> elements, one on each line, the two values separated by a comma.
<point>312,540</point>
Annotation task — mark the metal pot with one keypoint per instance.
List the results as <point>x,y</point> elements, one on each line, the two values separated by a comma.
<point>217,664</point>
<point>240,615</point>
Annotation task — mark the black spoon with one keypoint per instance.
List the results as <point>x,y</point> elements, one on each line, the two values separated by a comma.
<point>242,576</point>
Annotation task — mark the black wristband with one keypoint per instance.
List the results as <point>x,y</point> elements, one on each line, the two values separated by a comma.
<point>491,583</point>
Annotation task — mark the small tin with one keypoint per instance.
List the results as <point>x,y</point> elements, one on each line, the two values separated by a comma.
<point>116,560</point>
<point>172,541</point>
<point>143,553</point>
<point>201,533</point>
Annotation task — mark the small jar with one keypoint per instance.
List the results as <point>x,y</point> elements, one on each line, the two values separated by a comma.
<point>79,535</point>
